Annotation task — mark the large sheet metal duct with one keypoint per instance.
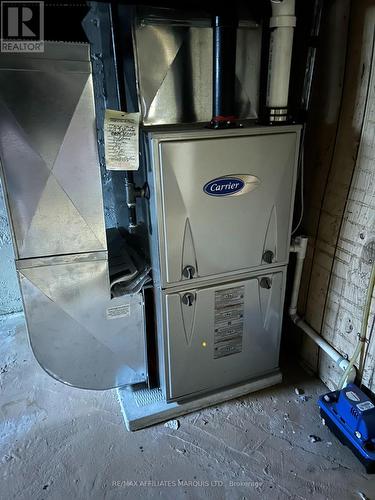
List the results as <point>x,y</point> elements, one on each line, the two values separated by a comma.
<point>173,58</point>
<point>51,178</point>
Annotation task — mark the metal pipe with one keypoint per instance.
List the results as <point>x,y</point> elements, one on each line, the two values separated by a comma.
<point>224,69</point>
<point>299,246</point>
<point>121,95</point>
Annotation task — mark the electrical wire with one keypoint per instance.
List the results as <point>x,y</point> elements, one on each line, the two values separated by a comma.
<point>363,361</point>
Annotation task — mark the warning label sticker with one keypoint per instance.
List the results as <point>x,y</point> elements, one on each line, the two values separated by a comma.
<point>121,140</point>
<point>229,321</point>
<point>118,311</point>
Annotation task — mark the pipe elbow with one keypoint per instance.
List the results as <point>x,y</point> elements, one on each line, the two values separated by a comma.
<point>299,246</point>
<point>293,314</point>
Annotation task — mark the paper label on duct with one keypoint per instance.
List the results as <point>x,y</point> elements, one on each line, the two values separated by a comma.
<point>121,132</point>
<point>118,311</point>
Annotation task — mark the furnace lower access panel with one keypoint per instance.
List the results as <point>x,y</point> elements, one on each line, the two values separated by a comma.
<point>222,335</point>
<point>223,200</point>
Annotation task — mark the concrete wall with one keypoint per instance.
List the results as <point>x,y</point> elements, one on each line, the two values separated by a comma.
<point>10,300</point>
<point>340,219</point>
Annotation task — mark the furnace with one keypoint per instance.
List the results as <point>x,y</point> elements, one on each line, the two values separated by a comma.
<point>220,261</point>
<point>166,282</point>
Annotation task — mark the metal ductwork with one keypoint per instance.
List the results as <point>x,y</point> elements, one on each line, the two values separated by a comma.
<point>52,181</point>
<point>224,70</point>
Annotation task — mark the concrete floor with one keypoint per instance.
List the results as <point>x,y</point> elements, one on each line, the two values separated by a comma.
<point>57,442</point>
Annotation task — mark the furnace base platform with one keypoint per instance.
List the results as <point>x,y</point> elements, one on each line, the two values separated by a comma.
<point>145,407</point>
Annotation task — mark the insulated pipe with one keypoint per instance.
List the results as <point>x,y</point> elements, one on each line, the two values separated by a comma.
<point>224,70</point>
<point>299,246</point>
<point>282,25</point>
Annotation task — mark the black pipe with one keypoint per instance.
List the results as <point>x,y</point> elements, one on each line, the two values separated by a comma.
<point>121,91</point>
<point>224,69</point>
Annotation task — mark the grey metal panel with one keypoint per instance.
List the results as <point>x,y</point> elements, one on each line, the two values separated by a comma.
<point>174,71</point>
<point>48,152</point>
<point>222,235</point>
<point>191,367</point>
<point>78,334</point>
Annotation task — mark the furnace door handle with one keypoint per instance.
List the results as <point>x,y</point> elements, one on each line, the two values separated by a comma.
<point>265,283</point>
<point>188,272</point>
<point>268,256</point>
<point>188,299</point>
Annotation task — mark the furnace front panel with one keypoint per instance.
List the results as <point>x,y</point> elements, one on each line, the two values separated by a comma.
<point>223,202</point>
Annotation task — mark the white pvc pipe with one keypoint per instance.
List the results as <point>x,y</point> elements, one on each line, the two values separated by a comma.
<point>323,344</point>
<point>282,24</point>
<point>299,246</point>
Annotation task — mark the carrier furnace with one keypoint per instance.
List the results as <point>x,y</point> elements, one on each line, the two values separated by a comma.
<point>176,295</point>
<point>220,204</point>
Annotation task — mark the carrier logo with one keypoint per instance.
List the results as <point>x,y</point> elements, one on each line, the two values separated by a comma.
<point>231,185</point>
